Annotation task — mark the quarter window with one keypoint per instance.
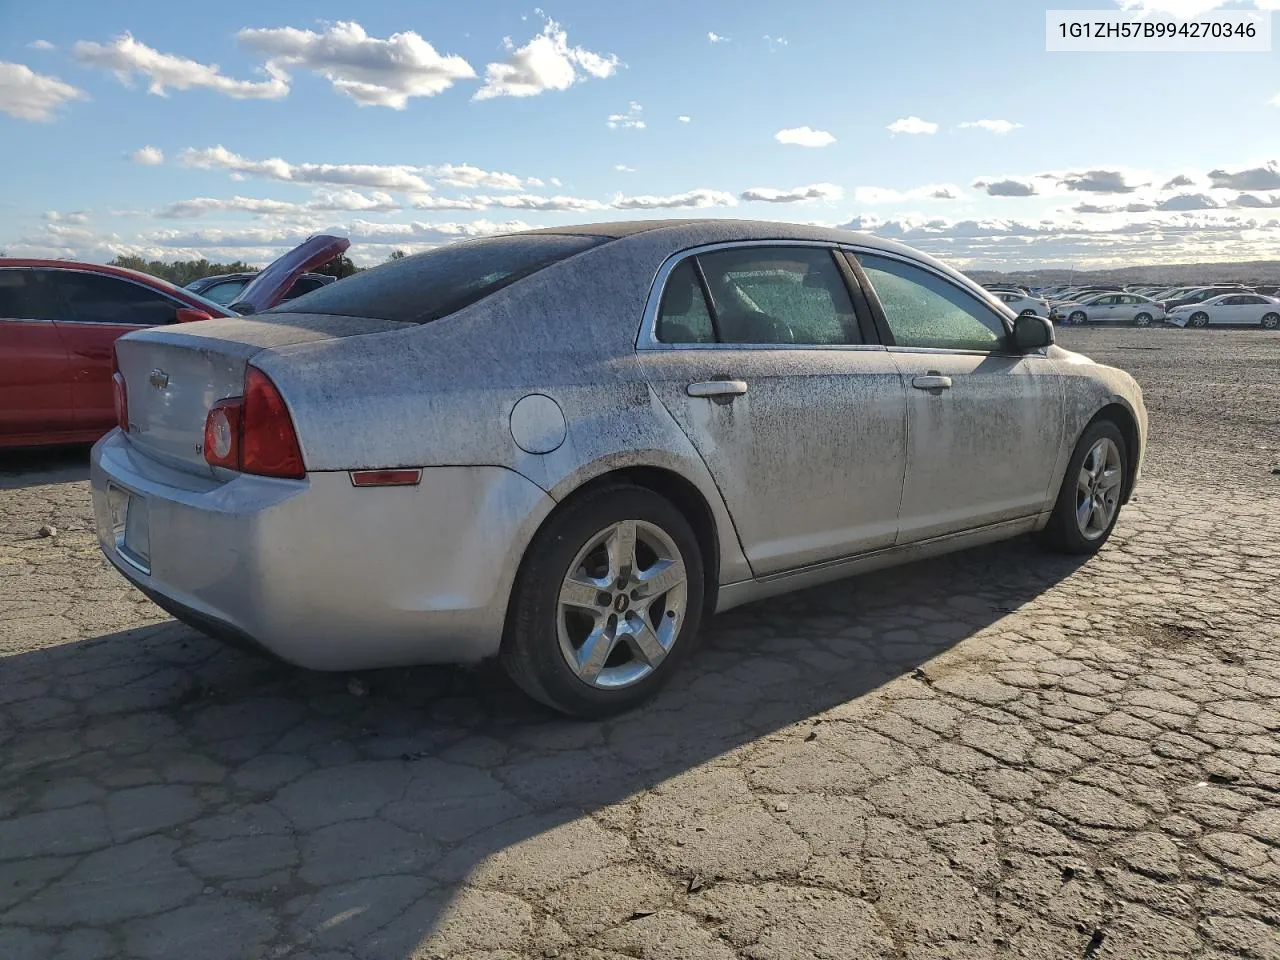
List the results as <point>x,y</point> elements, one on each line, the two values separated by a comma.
<point>684,317</point>
<point>99,298</point>
<point>924,310</point>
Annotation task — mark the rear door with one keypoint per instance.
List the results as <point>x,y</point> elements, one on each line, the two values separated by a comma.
<point>35,376</point>
<point>799,414</point>
<point>94,310</point>
<point>984,423</point>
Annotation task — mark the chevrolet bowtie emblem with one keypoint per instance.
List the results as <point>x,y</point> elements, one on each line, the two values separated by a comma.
<point>158,379</point>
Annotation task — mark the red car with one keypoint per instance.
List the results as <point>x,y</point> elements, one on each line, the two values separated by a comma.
<point>59,320</point>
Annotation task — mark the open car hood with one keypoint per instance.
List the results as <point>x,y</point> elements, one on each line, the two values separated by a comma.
<point>269,287</point>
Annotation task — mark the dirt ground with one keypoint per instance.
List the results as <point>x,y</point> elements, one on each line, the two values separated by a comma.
<point>1002,753</point>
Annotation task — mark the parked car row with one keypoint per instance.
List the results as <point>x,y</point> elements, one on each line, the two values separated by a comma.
<point>1224,304</point>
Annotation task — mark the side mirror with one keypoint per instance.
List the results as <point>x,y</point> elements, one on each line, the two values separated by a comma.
<point>1031,332</point>
<point>191,315</point>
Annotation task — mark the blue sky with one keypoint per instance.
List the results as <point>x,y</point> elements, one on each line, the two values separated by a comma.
<point>400,125</point>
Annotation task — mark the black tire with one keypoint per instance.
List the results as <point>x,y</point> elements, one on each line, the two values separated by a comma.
<point>1142,320</point>
<point>1062,533</point>
<point>1199,320</point>
<point>530,650</point>
<point>1077,317</point>
<point>1271,321</point>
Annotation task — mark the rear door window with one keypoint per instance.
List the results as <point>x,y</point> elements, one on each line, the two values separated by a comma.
<point>427,286</point>
<point>102,298</point>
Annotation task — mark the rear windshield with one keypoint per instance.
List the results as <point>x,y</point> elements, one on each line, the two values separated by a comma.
<point>434,284</point>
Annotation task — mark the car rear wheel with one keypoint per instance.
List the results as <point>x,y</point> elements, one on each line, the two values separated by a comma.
<point>1077,316</point>
<point>1143,320</point>
<point>1199,319</point>
<point>1089,501</point>
<point>1271,321</point>
<point>607,604</point>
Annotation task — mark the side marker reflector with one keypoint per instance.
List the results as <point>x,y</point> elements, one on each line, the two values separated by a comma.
<point>385,478</point>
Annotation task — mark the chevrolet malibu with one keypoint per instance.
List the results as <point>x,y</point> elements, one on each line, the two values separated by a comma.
<point>566,447</point>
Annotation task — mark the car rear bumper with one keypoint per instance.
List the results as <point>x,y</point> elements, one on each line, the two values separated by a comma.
<point>320,573</point>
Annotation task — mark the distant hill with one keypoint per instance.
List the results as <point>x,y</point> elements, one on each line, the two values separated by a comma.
<point>1255,271</point>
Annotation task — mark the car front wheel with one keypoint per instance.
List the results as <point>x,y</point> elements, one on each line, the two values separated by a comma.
<point>1077,317</point>
<point>608,602</point>
<point>1089,501</point>
<point>1199,319</point>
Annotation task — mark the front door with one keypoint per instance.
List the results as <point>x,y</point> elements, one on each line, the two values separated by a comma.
<point>984,425</point>
<point>35,377</point>
<point>799,418</point>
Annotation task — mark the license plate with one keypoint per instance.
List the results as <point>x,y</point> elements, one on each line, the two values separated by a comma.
<point>131,518</point>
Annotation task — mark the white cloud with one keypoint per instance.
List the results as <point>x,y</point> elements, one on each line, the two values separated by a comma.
<point>992,126</point>
<point>148,156</point>
<point>913,125</point>
<point>814,191</point>
<point>555,182</point>
<point>716,38</point>
<point>627,121</point>
<point>1007,187</point>
<point>369,70</point>
<point>775,42</point>
<point>528,201</point>
<point>931,191</point>
<point>804,137</point>
<point>683,119</point>
<point>701,197</point>
<point>427,201</point>
<point>321,201</point>
<point>546,62</point>
<point>75,217</point>
<point>126,56</point>
<point>465,175</point>
<point>623,168</point>
<point>386,177</point>
<point>28,95</point>
<point>41,45</point>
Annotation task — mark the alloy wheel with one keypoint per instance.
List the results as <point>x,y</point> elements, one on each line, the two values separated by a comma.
<point>1098,489</point>
<point>1271,321</point>
<point>621,604</point>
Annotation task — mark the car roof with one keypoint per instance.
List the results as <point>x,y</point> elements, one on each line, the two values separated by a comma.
<point>691,232</point>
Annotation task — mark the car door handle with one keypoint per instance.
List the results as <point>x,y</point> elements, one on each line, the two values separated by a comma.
<point>717,388</point>
<point>932,381</point>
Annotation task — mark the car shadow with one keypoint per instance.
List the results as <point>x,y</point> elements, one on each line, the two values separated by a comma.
<point>351,809</point>
<point>35,466</point>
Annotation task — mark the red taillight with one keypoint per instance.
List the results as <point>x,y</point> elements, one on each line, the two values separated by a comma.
<point>254,433</point>
<point>119,395</point>
<point>222,433</point>
<point>268,444</point>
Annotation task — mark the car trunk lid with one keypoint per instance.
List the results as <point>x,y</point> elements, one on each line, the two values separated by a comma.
<point>174,375</point>
<point>269,287</point>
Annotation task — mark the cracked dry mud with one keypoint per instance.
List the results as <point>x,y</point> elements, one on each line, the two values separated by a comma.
<point>998,754</point>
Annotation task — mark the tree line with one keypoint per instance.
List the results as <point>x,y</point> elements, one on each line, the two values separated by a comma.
<point>182,272</point>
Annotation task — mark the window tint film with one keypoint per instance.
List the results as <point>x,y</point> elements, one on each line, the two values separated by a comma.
<point>434,284</point>
<point>24,295</point>
<point>684,317</point>
<point>100,298</point>
<point>780,295</point>
<point>923,310</point>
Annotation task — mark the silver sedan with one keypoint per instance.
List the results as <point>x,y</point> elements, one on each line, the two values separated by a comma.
<point>567,447</point>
